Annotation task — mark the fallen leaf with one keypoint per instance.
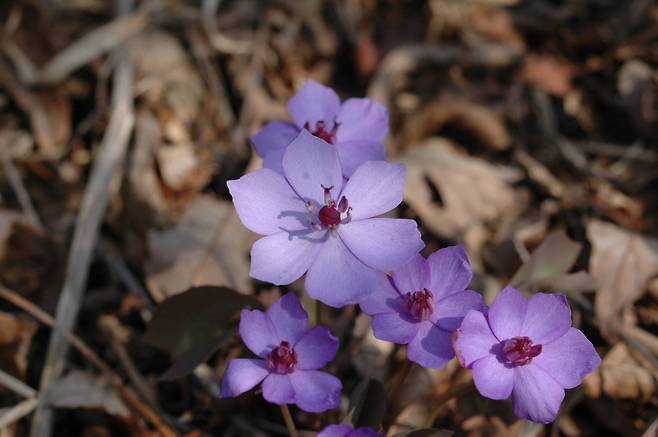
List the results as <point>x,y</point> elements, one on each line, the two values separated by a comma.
<point>473,193</point>
<point>622,262</point>
<point>209,246</point>
<point>469,118</point>
<point>548,73</point>
<point>192,325</point>
<point>548,266</point>
<point>620,376</point>
<point>80,389</point>
<point>426,432</point>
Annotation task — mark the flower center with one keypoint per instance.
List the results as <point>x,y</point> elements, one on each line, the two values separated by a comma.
<point>420,304</point>
<point>282,359</point>
<point>321,132</point>
<point>330,215</point>
<point>520,350</point>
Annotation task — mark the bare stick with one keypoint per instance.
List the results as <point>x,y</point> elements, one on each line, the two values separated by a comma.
<point>17,184</point>
<point>16,385</point>
<point>117,382</point>
<point>17,412</point>
<point>288,419</point>
<point>112,151</point>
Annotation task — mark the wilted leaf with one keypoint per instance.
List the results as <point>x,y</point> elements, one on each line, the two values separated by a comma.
<point>547,267</point>
<point>472,191</point>
<point>209,246</point>
<point>620,376</point>
<point>80,389</point>
<point>367,404</point>
<point>192,325</point>
<point>622,262</point>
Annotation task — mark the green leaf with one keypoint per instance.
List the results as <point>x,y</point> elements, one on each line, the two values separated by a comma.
<point>367,404</point>
<point>191,325</point>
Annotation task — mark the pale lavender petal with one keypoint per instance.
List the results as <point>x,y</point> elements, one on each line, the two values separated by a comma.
<point>569,358</point>
<point>266,203</point>
<point>450,311</point>
<point>257,332</point>
<point>362,119</point>
<point>507,313</point>
<point>273,136</point>
<point>288,318</point>
<point>547,317</point>
<point>242,375</point>
<point>374,189</point>
<point>536,395</point>
<point>282,259</point>
<point>450,271</point>
<point>492,379</point>
<point>356,152</point>
<point>474,339</point>
<point>316,348</point>
<point>335,431</point>
<point>384,244</point>
<point>312,103</point>
<point>412,276</point>
<point>274,161</point>
<point>431,347</point>
<point>316,391</point>
<point>278,389</point>
<point>310,163</point>
<point>384,298</point>
<point>395,327</point>
<point>337,278</point>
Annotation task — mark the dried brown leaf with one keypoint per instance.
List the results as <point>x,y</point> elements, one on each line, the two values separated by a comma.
<point>209,246</point>
<point>548,73</point>
<point>472,192</point>
<point>81,389</point>
<point>622,262</point>
<point>620,376</point>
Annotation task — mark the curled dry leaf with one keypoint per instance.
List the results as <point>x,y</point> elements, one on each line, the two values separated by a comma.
<point>622,262</point>
<point>80,389</point>
<point>620,376</point>
<point>548,266</point>
<point>208,246</point>
<point>473,193</point>
<point>470,118</point>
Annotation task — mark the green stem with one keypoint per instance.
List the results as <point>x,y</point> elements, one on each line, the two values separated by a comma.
<point>288,419</point>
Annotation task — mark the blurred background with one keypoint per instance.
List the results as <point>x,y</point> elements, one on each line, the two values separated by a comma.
<point>529,130</point>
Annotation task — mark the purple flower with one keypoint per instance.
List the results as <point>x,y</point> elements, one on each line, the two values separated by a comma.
<point>422,303</point>
<point>347,431</point>
<point>525,348</point>
<point>289,358</point>
<point>314,221</point>
<point>357,128</point>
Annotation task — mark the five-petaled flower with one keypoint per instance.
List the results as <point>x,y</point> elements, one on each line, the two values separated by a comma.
<point>315,221</point>
<point>525,348</point>
<point>344,430</point>
<point>422,303</point>
<point>289,358</point>
<point>356,128</point>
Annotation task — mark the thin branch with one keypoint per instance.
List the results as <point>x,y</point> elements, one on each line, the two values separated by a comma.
<point>17,412</point>
<point>16,385</point>
<point>117,382</point>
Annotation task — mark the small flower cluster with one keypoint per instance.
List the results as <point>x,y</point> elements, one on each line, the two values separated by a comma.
<point>318,202</point>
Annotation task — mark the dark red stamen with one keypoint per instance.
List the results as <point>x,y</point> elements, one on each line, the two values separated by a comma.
<point>322,133</point>
<point>282,359</point>
<point>520,350</point>
<point>420,304</point>
<point>330,214</point>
